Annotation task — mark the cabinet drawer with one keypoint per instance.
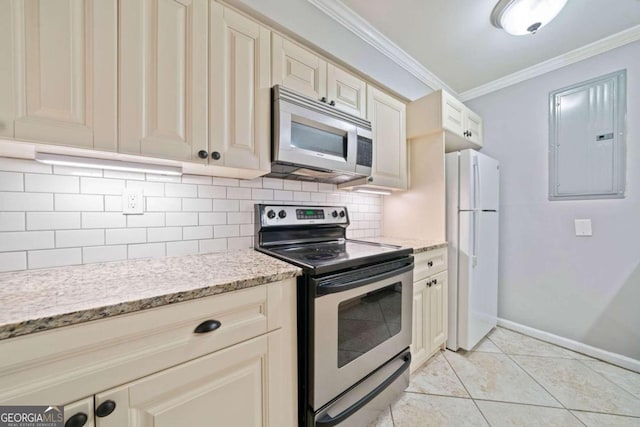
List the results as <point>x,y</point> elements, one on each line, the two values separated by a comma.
<point>72,362</point>
<point>428,263</point>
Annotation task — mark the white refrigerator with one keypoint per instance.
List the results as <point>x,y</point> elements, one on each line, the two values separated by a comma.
<point>473,181</point>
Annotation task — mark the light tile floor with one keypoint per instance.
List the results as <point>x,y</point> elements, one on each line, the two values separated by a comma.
<point>510,379</point>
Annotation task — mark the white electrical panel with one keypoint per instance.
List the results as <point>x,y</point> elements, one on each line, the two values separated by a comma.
<point>132,201</point>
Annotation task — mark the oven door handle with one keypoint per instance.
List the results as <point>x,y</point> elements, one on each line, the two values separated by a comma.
<point>329,421</point>
<point>329,288</point>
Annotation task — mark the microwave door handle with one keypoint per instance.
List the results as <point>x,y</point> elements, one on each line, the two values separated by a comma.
<point>329,421</point>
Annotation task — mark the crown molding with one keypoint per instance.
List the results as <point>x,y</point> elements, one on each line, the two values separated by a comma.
<point>603,45</point>
<point>349,19</point>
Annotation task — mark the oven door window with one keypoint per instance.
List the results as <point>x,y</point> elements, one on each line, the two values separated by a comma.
<point>319,140</point>
<point>367,321</point>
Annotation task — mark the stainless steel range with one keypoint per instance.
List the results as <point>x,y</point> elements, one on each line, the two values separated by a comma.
<point>354,313</point>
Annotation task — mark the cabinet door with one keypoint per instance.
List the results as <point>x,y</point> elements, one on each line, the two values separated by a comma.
<point>80,409</point>
<point>163,78</point>
<point>437,311</point>
<point>347,91</point>
<point>474,126</point>
<point>387,116</point>
<point>453,114</point>
<point>240,90</point>
<point>226,388</point>
<point>59,72</point>
<point>298,69</point>
<point>420,327</point>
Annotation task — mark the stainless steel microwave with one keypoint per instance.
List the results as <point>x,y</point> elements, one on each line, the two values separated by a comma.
<point>315,141</point>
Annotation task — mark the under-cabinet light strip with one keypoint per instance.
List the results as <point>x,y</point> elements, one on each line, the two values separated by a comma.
<point>88,162</point>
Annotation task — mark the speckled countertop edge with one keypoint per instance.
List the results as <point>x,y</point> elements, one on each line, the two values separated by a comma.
<point>418,246</point>
<point>39,300</point>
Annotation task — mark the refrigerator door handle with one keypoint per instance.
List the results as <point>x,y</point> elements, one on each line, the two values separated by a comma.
<point>477,197</point>
<point>476,238</point>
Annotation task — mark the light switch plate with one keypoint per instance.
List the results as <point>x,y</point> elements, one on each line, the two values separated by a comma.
<point>583,227</point>
<point>132,201</point>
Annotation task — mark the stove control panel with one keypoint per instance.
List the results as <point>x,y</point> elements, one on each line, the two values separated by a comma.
<point>283,215</point>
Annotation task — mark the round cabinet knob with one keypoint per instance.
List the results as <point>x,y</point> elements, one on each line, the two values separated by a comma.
<point>215,155</point>
<point>435,281</point>
<point>77,420</point>
<point>105,408</point>
<point>332,103</point>
<point>282,214</point>
<point>323,99</point>
<point>203,154</point>
<point>341,214</point>
<point>271,214</point>
<point>334,214</point>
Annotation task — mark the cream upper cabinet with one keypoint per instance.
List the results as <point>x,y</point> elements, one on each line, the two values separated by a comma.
<point>387,116</point>
<point>163,78</point>
<point>229,387</point>
<point>442,112</point>
<point>239,66</point>
<point>301,70</point>
<point>346,91</point>
<point>58,80</point>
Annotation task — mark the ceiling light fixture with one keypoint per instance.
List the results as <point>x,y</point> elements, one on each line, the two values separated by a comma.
<point>520,17</point>
<point>88,162</point>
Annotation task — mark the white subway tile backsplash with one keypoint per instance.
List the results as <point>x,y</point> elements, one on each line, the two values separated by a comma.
<point>16,202</point>
<point>146,250</point>
<point>212,192</point>
<point>181,190</point>
<point>54,257</point>
<point>164,234</point>
<point>11,181</point>
<point>53,220</point>
<point>182,218</point>
<point>226,231</point>
<point>13,221</point>
<point>13,261</point>
<point>39,183</point>
<point>78,213</point>
<point>146,220</point>
<point>104,254</point>
<point>22,165</point>
<point>187,247</point>
<point>25,240</point>
<point>196,233</point>
<point>212,245</point>
<point>238,193</point>
<point>164,204</point>
<point>212,218</point>
<point>101,186</point>
<point>79,203</point>
<point>197,205</point>
<point>120,236</point>
<point>148,188</point>
<point>78,238</point>
<point>103,220</point>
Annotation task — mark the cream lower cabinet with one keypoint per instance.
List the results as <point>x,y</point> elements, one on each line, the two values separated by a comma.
<point>429,332</point>
<point>151,368</point>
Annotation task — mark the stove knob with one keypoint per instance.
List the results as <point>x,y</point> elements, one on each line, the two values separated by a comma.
<point>334,214</point>
<point>282,214</point>
<point>341,214</point>
<point>271,214</point>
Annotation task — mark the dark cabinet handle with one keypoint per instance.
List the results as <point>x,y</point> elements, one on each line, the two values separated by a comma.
<point>77,420</point>
<point>207,326</point>
<point>105,408</point>
<point>215,155</point>
<point>430,263</point>
<point>435,281</point>
<point>332,103</point>
<point>323,99</point>
<point>470,133</point>
<point>203,154</point>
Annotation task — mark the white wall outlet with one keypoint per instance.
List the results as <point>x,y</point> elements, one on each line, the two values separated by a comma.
<point>583,227</point>
<point>132,201</point>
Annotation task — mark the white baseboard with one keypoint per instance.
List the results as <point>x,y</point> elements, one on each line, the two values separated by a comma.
<point>598,353</point>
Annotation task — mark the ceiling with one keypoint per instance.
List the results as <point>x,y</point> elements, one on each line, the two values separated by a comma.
<point>413,47</point>
<point>455,40</point>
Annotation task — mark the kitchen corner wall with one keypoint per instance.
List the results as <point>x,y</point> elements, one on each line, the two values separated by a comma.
<point>53,216</point>
<point>583,288</point>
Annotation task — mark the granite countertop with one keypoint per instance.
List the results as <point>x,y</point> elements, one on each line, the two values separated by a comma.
<point>418,246</point>
<point>37,300</point>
